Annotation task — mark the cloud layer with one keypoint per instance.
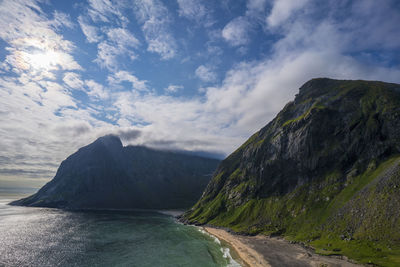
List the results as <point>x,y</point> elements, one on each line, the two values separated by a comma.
<point>185,75</point>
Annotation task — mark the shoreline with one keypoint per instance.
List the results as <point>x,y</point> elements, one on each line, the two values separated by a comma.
<point>176,213</point>
<point>248,256</point>
<point>263,251</point>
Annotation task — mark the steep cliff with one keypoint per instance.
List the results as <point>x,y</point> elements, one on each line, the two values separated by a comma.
<point>105,174</point>
<point>324,171</point>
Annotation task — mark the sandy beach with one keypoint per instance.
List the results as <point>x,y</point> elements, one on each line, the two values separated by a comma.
<point>271,251</point>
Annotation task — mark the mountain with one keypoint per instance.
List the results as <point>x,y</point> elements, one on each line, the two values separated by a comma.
<point>325,171</point>
<point>105,174</point>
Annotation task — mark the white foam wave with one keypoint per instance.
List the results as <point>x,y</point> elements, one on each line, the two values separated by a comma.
<point>226,253</point>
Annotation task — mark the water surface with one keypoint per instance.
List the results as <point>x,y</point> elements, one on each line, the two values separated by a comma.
<point>52,237</point>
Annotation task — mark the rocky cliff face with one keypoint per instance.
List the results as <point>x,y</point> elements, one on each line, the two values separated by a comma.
<point>326,168</point>
<point>105,174</point>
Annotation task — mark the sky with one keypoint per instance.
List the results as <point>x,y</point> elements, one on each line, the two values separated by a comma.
<point>176,74</point>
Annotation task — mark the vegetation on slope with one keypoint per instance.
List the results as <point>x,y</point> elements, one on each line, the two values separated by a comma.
<point>325,172</point>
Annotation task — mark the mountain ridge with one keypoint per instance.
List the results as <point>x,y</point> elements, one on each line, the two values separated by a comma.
<point>315,171</point>
<point>105,174</point>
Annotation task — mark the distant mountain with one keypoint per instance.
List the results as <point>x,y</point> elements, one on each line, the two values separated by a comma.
<point>105,174</point>
<point>325,171</point>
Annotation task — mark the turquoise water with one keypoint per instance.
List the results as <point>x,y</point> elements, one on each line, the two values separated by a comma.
<point>51,237</point>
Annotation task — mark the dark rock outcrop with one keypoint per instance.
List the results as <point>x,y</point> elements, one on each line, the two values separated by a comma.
<point>105,174</point>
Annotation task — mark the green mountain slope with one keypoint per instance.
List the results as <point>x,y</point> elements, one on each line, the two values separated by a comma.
<point>325,171</point>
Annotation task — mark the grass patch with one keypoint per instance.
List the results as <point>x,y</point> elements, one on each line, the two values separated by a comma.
<point>304,215</point>
<point>315,106</point>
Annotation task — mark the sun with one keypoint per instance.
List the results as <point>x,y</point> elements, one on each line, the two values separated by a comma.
<point>47,60</point>
<point>37,55</point>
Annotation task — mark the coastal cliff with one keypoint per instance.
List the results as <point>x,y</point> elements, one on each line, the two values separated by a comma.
<point>325,171</point>
<point>105,174</point>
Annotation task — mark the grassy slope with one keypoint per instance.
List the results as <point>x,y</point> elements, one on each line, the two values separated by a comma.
<point>314,213</point>
<point>287,216</point>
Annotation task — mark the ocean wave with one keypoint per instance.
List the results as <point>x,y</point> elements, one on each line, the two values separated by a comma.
<point>226,253</point>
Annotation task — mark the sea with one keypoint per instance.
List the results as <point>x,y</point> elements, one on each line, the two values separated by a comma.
<point>54,237</point>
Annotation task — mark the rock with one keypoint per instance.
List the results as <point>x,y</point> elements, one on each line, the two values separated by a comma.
<point>105,174</point>
<point>336,136</point>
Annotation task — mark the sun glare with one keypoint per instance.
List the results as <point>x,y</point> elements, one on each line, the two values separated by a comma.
<point>43,61</point>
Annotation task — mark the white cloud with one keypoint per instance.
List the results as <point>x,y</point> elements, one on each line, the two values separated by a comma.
<point>171,122</point>
<point>107,55</point>
<point>73,80</point>
<point>163,44</point>
<point>62,19</point>
<point>119,43</point>
<point>154,17</point>
<point>173,88</point>
<point>252,93</point>
<point>32,102</point>
<point>33,46</point>
<point>255,8</point>
<point>105,11</point>
<point>256,91</point>
<point>122,76</point>
<point>254,5</point>
<point>236,32</point>
<point>375,24</point>
<point>55,97</point>
<point>193,10</point>
<point>91,32</point>
<point>48,124</point>
<point>283,9</point>
<point>122,38</point>
<point>247,100</point>
<point>40,126</point>
<point>205,74</point>
<point>96,90</point>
